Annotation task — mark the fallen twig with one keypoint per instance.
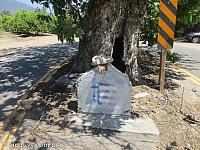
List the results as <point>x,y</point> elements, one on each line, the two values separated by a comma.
<point>182,98</point>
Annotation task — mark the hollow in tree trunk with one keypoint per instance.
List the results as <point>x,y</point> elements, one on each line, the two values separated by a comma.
<point>111,28</point>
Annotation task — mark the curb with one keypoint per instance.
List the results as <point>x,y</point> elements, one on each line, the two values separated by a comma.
<point>195,79</point>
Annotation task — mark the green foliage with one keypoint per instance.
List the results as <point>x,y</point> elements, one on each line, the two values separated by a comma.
<point>25,22</point>
<point>67,30</point>
<point>6,22</point>
<point>188,12</point>
<point>150,29</point>
<point>21,22</point>
<point>1,26</point>
<point>173,57</point>
<point>69,17</point>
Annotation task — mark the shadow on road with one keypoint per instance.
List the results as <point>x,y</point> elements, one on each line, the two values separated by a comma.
<point>21,70</point>
<point>189,63</point>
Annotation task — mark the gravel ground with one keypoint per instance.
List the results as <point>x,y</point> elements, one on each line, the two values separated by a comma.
<point>10,43</point>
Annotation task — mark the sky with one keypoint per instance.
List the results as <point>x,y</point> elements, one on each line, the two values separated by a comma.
<point>35,5</point>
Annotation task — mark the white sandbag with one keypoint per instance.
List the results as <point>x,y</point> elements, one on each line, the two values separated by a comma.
<point>107,94</point>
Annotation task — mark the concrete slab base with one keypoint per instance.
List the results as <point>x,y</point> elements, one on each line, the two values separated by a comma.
<point>93,132</point>
<point>139,133</point>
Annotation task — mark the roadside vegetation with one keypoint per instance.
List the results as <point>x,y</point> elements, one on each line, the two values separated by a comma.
<point>67,26</point>
<point>37,23</point>
<point>26,22</point>
<point>188,19</point>
<point>173,57</point>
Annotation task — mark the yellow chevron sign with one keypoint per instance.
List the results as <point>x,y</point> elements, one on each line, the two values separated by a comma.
<point>166,24</point>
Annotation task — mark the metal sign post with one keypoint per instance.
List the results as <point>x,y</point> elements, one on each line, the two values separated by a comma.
<point>167,22</point>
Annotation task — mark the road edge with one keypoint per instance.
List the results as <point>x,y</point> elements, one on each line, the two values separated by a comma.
<point>8,126</point>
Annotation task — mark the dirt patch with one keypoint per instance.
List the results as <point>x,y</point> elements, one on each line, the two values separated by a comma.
<point>170,113</point>
<point>11,43</point>
<point>53,104</point>
<point>169,110</point>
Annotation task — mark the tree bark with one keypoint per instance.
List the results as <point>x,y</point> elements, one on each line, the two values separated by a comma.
<point>111,28</point>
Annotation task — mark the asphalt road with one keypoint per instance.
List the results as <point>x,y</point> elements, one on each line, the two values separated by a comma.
<point>21,69</point>
<point>190,54</point>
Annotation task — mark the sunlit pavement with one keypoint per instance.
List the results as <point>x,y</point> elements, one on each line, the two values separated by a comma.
<point>190,57</point>
<point>22,69</point>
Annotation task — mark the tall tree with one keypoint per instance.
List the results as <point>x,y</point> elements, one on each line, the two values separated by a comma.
<point>188,12</point>
<point>110,27</point>
<point>188,15</point>
<point>150,29</point>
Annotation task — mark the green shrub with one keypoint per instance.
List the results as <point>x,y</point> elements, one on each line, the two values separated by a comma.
<point>173,57</point>
<point>1,25</point>
<point>25,22</point>
<point>6,23</point>
<point>39,22</point>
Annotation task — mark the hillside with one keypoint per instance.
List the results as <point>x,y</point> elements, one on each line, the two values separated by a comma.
<point>13,5</point>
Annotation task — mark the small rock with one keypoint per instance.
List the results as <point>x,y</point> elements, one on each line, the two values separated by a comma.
<point>172,146</point>
<point>73,75</point>
<point>61,106</point>
<point>188,147</point>
<point>160,98</point>
<point>140,95</point>
<point>65,80</point>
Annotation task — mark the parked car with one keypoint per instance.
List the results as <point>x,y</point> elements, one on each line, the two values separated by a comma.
<point>193,37</point>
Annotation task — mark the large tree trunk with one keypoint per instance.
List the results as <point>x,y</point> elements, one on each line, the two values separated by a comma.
<point>111,28</point>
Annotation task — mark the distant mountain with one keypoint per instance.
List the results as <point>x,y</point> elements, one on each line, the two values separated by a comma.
<point>13,5</point>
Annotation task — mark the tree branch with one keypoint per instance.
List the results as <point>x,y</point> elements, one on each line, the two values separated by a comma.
<point>75,11</point>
